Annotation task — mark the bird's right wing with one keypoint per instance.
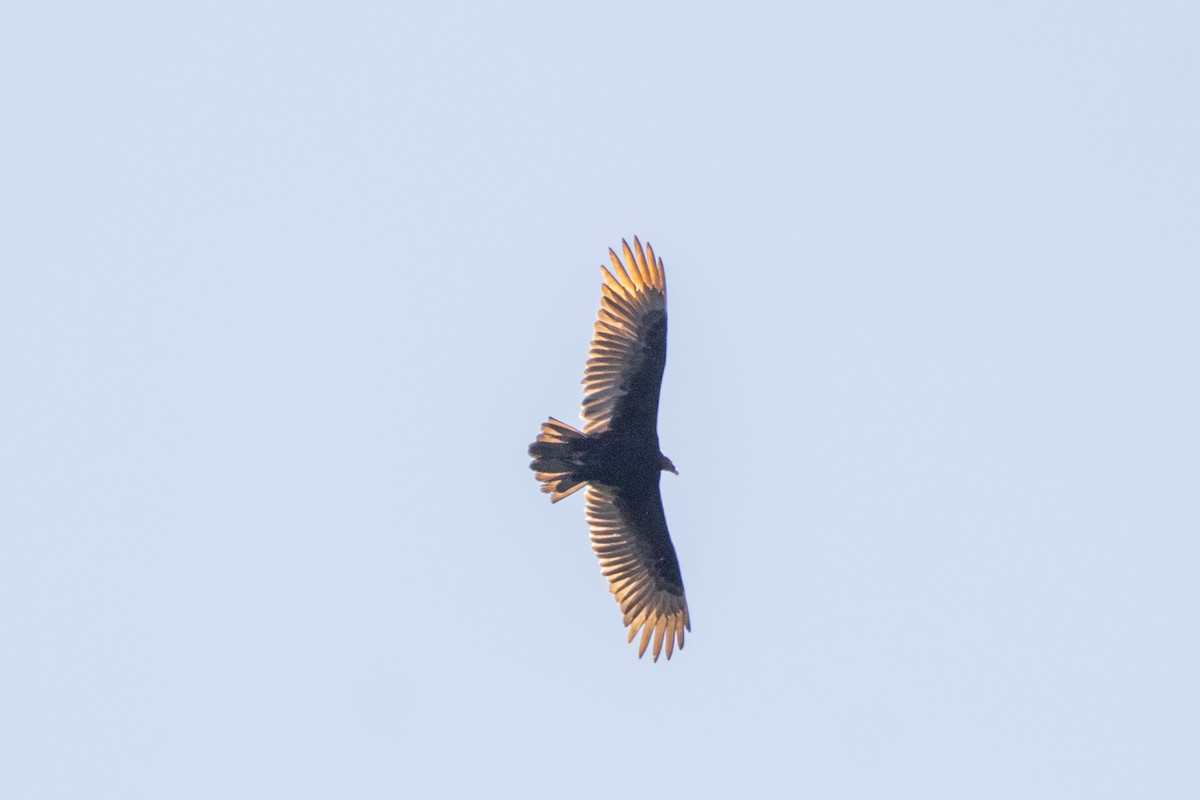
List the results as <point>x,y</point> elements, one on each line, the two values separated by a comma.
<point>629,536</point>
<point>629,346</point>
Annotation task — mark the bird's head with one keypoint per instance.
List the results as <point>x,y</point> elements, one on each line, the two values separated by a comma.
<point>665,464</point>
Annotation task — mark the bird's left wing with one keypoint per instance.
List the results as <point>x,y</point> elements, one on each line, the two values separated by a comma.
<point>629,536</point>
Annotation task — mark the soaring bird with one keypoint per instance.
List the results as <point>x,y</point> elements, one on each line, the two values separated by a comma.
<point>616,455</point>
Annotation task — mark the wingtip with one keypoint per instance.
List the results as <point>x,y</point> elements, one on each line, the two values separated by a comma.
<point>640,265</point>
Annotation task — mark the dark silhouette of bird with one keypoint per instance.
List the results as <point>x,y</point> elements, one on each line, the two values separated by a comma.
<point>616,455</point>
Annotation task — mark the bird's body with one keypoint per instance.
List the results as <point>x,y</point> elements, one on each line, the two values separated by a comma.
<point>617,457</point>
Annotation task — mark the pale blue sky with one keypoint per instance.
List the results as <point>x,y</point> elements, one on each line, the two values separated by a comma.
<point>288,288</point>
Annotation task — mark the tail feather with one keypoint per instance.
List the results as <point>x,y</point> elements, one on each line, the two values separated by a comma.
<point>558,456</point>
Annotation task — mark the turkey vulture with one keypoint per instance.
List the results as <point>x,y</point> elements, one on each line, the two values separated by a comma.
<point>616,455</point>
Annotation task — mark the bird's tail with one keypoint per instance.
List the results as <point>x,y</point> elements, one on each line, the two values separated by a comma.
<point>558,458</point>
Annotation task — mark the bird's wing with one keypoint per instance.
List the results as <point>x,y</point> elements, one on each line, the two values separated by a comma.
<point>629,535</point>
<point>629,346</point>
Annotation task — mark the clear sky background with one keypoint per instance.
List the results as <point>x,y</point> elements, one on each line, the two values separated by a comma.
<point>288,288</point>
